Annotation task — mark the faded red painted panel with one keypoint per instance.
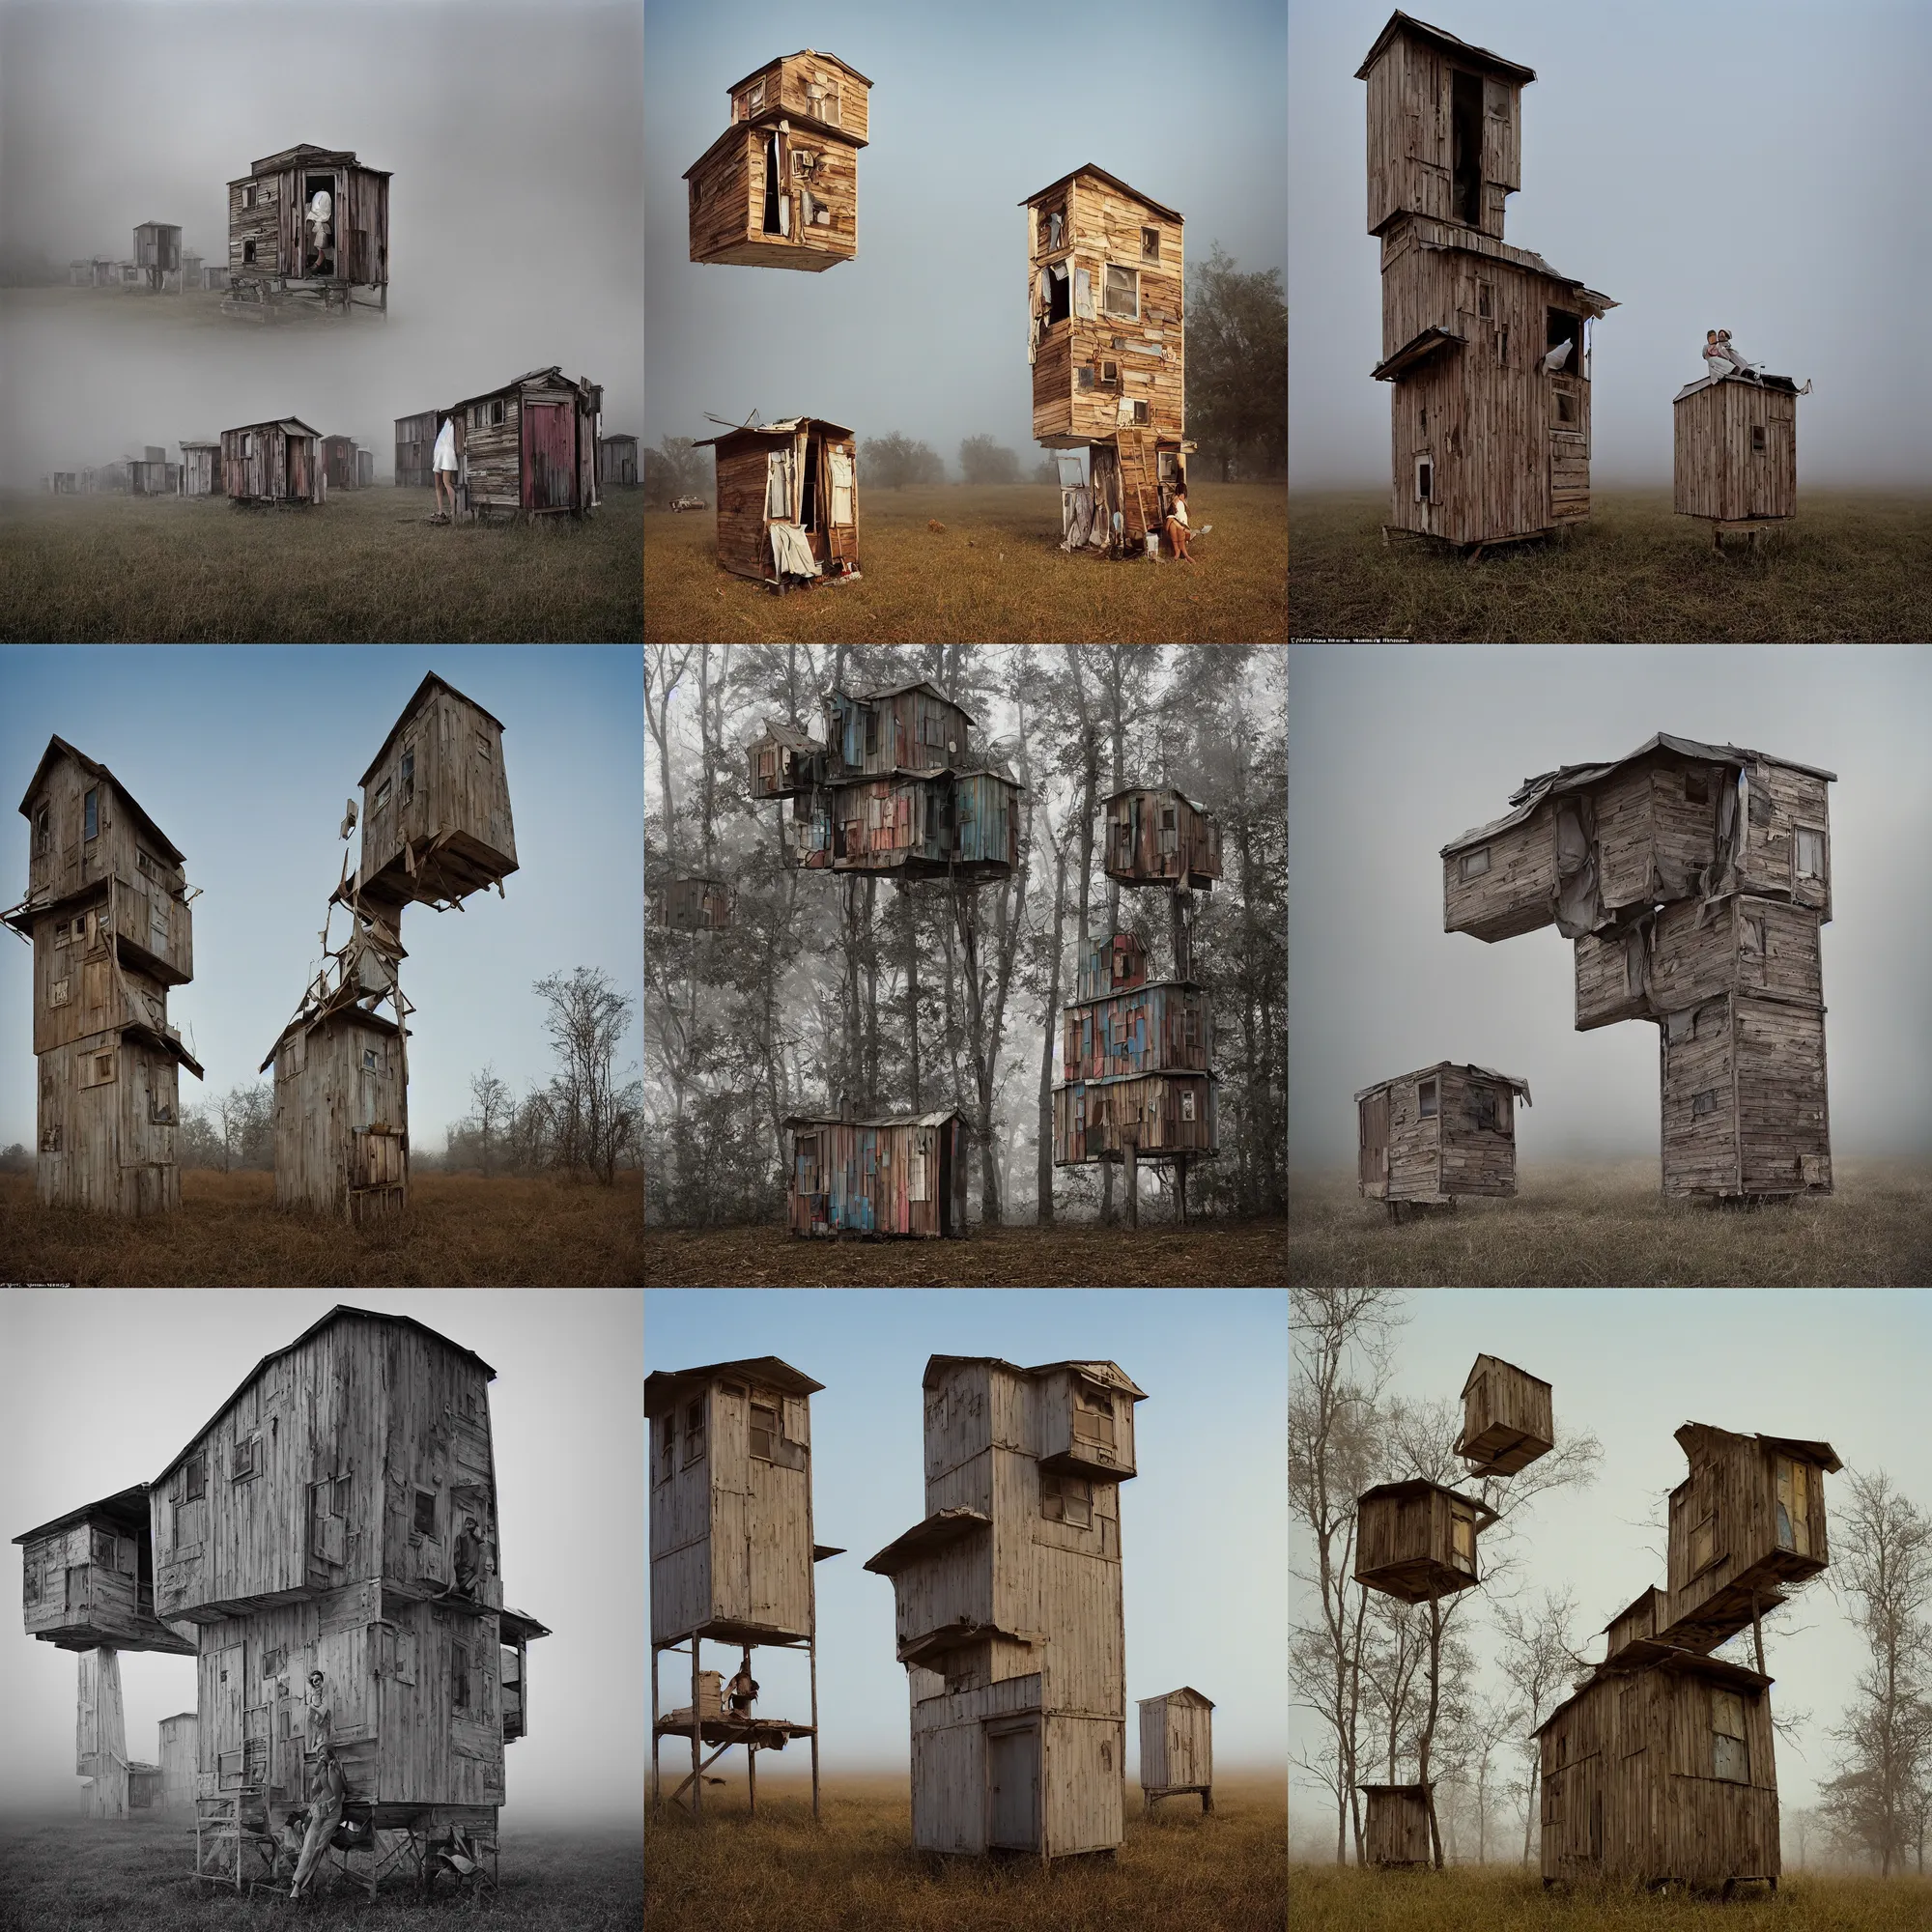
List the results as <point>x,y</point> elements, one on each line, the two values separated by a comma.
<point>550,456</point>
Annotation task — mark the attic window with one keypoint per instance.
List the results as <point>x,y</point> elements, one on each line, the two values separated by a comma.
<point>694,1432</point>
<point>764,1429</point>
<point>1730,1758</point>
<point>1757,439</point>
<point>1808,853</point>
<point>1059,293</point>
<point>1150,245</point>
<point>1705,1102</point>
<point>1427,1096</point>
<point>381,796</point>
<point>92,811</point>
<point>1066,1500</point>
<point>755,97</point>
<point>44,836</point>
<point>1121,295</point>
<point>248,194</point>
<point>194,1478</point>
<point>1696,789</point>
<point>1475,864</point>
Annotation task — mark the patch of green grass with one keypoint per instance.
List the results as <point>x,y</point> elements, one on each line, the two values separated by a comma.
<point>1849,568</point>
<point>996,574</point>
<point>361,568</point>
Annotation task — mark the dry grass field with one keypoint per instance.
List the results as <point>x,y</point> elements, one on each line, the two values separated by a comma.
<point>1849,568</point>
<point>995,575</point>
<point>1506,1898</point>
<point>856,1872</point>
<point>1204,1254</point>
<point>72,1875</point>
<point>1607,1226</point>
<point>460,1231</point>
<point>363,567</point>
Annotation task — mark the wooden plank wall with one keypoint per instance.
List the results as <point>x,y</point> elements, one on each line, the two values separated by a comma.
<point>1396,1830</point>
<point>436,1441</point>
<point>178,1749</point>
<point>1083,1763</point>
<point>1783,1116</point>
<point>742,547</point>
<point>680,1532</point>
<point>1517,894</point>
<point>1475,1159</point>
<point>760,1563</point>
<point>1414,1145</point>
<point>258,224</point>
<point>1716,471</point>
<point>1781,800</point>
<point>1700,1150</point>
<point>324,1095</point>
<point>1089,1118</point>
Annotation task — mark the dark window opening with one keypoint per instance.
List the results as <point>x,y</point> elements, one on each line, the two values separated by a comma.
<point>1757,439</point>
<point>1083,376</point>
<point>764,1429</point>
<point>425,1512</point>
<point>1427,1098</point>
<point>1140,411</point>
<point>459,1678</point>
<point>1705,1102</point>
<point>1486,1107</point>
<point>1465,120</point>
<point>774,201</point>
<point>694,1432</point>
<point>194,1480</point>
<point>1110,374</point>
<point>92,811</point>
<point>871,732</point>
<point>1425,481</point>
<point>1150,245</point>
<point>1561,326</point>
<point>1059,294</point>
<point>242,1462</point>
<point>42,830</point>
<point>808,514</point>
<point>247,251</point>
<point>1485,305</point>
<point>248,195</point>
<point>408,774</point>
<point>1566,408</point>
<point>1696,789</point>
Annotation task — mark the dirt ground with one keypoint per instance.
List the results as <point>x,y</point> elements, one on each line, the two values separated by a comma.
<point>1204,1254</point>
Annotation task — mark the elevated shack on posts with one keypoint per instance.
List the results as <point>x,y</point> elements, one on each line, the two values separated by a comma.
<point>1416,1540</point>
<point>1178,1746</point>
<point>308,224</point>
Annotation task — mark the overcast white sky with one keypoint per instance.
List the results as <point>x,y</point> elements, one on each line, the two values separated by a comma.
<point>1631,1366</point>
<point>1757,168</point>
<point>99,1388</point>
<point>1203,1525</point>
<point>1393,750</point>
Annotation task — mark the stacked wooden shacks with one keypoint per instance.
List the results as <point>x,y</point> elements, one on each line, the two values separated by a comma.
<point>1485,346</point>
<point>1009,1608</point>
<point>436,828</point>
<point>1137,1079</point>
<point>890,792</point>
<point>1694,879</point>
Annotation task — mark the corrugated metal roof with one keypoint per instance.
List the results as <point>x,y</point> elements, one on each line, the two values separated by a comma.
<point>790,736</point>
<point>934,1120</point>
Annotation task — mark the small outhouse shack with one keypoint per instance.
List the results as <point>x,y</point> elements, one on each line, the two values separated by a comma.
<point>179,1748</point>
<point>696,905</point>
<point>201,470</point>
<point>1395,1830</point>
<point>365,467</point>
<point>190,275</point>
<point>1435,1133</point>
<point>1157,834</point>
<point>1009,1608</point>
<point>1177,1746</point>
<point>310,222</point>
<point>1748,1516</point>
<point>904,1173</point>
<point>1736,451</point>
<point>275,461</point>
<point>1661,1768</point>
<point>732,1553</point>
<point>787,500</point>
<point>157,254</point>
<point>415,446</point>
<point>1507,1420</point>
<point>617,460</point>
<point>780,187</point>
<point>528,448</point>
<point>338,462</point>
<point>1416,1540</point>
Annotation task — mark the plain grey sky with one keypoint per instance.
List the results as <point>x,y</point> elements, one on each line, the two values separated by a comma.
<point>513,135</point>
<point>244,756</point>
<point>1759,169</point>
<point>973,109</point>
<point>101,1388</point>
<point>1629,1366</point>
<point>1393,750</point>
<point>1204,1524</point>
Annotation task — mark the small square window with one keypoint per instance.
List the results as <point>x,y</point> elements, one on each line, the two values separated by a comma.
<point>764,1429</point>
<point>1121,296</point>
<point>1566,406</point>
<point>1705,1102</point>
<point>1428,1096</point>
<point>1150,245</point>
<point>425,1512</point>
<point>1475,864</point>
<point>1809,853</point>
<point>1140,414</point>
<point>1083,376</point>
<point>242,1462</point>
<point>1757,439</point>
<point>194,1479</point>
<point>1696,789</point>
<point>368,1060</point>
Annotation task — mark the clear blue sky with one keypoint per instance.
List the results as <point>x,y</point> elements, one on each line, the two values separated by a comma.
<point>972,109</point>
<point>244,756</point>
<point>1204,1524</point>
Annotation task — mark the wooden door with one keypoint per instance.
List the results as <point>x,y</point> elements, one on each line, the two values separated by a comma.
<point>1012,1788</point>
<point>1374,1128</point>
<point>549,468</point>
<point>301,468</point>
<point>221,1706</point>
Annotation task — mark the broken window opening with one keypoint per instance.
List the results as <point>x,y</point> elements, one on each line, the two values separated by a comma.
<point>1059,293</point>
<point>1561,326</point>
<point>1753,936</point>
<point>408,773</point>
<point>1808,853</point>
<point>1485,1098</point>
<point>1123,293</point>
<point>1425,480</point>
<point>1083,376</point>
<point>1566,408</point>
<point>1056,229</point>
<point>425,1512</point>
<point>1188,1103</point>
<point>1696,789</point>
<point>91,810</point>
<point>1150,245</point>
<point>1757,439</point>
<point>42,830</point>
<point>775,215</point>
<point>1110,374</point>
<point>1140,411</point>
<point>1465,120</point>
<point>1428,1096</point>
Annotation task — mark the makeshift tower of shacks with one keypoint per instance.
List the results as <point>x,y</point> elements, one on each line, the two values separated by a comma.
<point>1138,1084</point>
<point>1009,1608</point>
<point>338,1514</point>
<point>1485,346</point>
<point>731,1550</point>
<point>890,793</point>
<point>436,828</point>
<point>1415,1541</point>
<point>1107,341</point>
<point>1694,879</point>
<point>109,914</point>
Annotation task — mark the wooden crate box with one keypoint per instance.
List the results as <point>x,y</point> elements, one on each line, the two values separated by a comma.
<point>1416,1540</point>
<point>1395,1831</point>
<point>1507,1421</point>
<point>1735,454</point>
<point>1435,1133</point>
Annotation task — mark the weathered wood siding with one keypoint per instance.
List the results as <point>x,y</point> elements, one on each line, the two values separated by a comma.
<point>1476,1159</point>
<point>1412,1150</point>
<point>878,1180</point>
<point>1158,835</point>
<point>1501,1405</point>
<point>457,788</point>
<point>1648,1617</point>
<point>808,84</point>
<point>680,1526</point>
<point>727,194</point>
<point>84,1582</point>
<point>1091,1117</point>
<point>741,472</point>
<point>1781,800</point>
<point>1082,1424</point>
<point>201,470</point>
<point>1719,470</point>
<point>1396,1829</point>
<point>107,1116</point>
<point>1695,952</point>
<point>1404,1545</point>
<point>1412,140</point>
<point>342,1124</point>
<point>415,447</point>
<point>1516,892</point>
<point>1176,1743</point>
<point>180,1745</point>
<point>1732,1485</point>
<point>1700,1148</point>
<point>910,730</point>
<point>71,861</point>
<point>1769,1127</point>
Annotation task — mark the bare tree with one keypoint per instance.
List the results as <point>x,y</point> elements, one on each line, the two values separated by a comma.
<point>1494,1722</point>
<point>1539,1661</point>
<point>492,1100</point>
<point>597,1120</point>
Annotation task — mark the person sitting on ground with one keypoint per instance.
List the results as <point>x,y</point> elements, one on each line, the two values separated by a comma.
<point>1176,524</point>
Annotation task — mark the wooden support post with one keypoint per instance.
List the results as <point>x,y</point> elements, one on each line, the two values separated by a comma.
<point>1181,1184</point>
<point>1757,1633</point>
<point>811,1652</point>
<point>752,1775</point>
<point>657,1777</point>
<point>697,1728</point>
<point>1131,1144</point>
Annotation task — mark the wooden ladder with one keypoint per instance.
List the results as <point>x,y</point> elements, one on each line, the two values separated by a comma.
<point>1131,458</point>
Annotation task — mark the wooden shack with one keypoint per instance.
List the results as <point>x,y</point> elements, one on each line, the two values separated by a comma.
<point>338,462</point>
<point>1395,1826</point>
<point>215,275</point>
<point>1009,1608</point>
<point>1156,834</point>
<point>1584,845</point>
<point>342,1110</point>
<point>1435,1133</point>
<point>1416,1540</point>
<point>436,805</point>
<point>784,761</point>
<point>904,1173</point>
<point>191,270</point>
<point>1507,1418</point>
<point>1661,1768</point>
<point>88,1580</point>
<point>732,1553</point>
<point>157,254</point>
<point>890,727</point>
<point>180,1753</point>
<point>1693,950</point>
<point>365,468</point>
<point>780,187</point>
<point>201,470</point>
<point>1166,1116</point>
<point>1484,347</point>
<point>1748,1516</point>
<point>1177,1746</point>
<point>309,223</point>
<point>1646,1618</point>
<point>153,476</point>
<point>415,447</point>
<point>107,910</point>
<point>274,463</point>
<point>696,905</point>
<point>1736,451</point>
<point>617,460</point>
<point>528,448</point>
<point>787,500</point>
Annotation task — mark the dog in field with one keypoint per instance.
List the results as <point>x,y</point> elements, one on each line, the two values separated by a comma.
<point>688,504</point>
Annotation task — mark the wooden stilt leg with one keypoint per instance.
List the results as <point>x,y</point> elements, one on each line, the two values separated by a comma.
<point>751,1777</point>
<point>657,1777</point>
<point>1133,1181</point>
<point>696,1727</point>
<point>812,1653</point>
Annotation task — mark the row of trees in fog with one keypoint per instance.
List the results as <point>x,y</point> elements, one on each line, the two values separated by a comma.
<point>1397,1690</point>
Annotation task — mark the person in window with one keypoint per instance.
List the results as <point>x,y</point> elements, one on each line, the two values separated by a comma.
<point>1176,524</point>
<point>320,210</point>
<point>741,1692</point>
<point>468,1557</point>
<point>326,1791</point>
<point>442,461</point>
